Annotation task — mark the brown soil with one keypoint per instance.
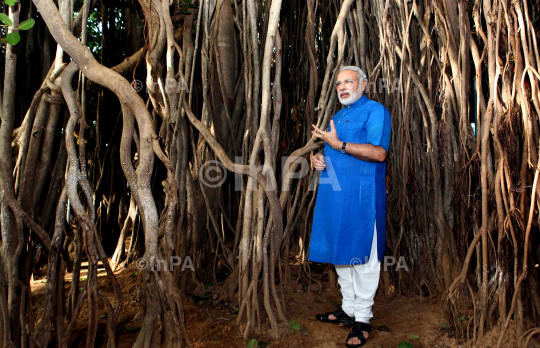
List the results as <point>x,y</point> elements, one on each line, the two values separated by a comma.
<point>209,324</point>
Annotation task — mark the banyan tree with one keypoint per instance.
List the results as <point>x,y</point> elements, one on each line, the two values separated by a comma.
<point>183,127</point>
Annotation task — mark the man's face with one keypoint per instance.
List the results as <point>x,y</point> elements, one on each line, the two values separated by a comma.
<point>348,88</point>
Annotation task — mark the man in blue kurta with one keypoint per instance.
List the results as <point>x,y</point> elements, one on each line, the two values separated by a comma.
<point>349,223</point>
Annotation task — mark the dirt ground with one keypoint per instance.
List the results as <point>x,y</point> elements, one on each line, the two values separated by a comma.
<point>397,319</point>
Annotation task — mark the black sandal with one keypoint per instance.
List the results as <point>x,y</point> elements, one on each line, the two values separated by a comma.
<point>341,317</point>
<point>357,329</point>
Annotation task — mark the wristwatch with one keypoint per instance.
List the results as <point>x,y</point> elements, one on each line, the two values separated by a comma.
<point>343,147</point>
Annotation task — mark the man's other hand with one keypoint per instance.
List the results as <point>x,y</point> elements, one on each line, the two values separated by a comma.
<point>318,161</point>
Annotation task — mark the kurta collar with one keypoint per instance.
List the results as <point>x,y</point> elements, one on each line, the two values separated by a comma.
<point>359,102</point>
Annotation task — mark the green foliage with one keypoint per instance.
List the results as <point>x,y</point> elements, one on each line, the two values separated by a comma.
<point>413,336</point>
<point>10,2</point>
<point>132,329</point>
<point>13,38</point>
<point>27,24</point>
<point>184,7</point>
<point>5,19</point>
<point>255,343</point>
<point>94,31</point>
<point>444,325</point>
<point>405,345</point>
<point>293,326</point>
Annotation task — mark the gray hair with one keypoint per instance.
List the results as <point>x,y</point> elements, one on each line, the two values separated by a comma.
<point>361,75</point>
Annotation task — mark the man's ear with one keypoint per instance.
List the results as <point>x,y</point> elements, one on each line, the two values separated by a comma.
<point>363,86</point>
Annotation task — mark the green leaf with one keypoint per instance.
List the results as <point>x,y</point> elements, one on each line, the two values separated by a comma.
<point>253,343</point>
<point>27,24</point>
<point>294,326</point>
<point>236,309</point>
<point>186,12</point>
<point>104,316</point>
<point>10,2</point>
<point>135,273</point>
<point>444,325</point>
<point>413,336</point>
<point>81,288</point>
<point>201,303</point>
<point>132,329</point>
<point>5,19</point>
<point>405,345</point>
<point>84,278</point>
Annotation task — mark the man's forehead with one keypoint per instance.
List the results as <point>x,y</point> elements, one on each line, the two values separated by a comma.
<point>346,74</point>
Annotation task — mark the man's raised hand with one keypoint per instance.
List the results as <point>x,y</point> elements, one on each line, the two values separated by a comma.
<point>330,137</point>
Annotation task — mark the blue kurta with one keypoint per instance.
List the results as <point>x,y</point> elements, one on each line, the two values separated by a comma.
<point>352,192</point>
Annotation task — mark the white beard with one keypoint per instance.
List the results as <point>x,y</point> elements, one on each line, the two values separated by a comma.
<point>352,98</point>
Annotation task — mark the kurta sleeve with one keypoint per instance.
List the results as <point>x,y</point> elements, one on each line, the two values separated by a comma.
<point>378,127</point>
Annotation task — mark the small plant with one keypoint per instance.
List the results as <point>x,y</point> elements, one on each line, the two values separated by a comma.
<point>132,329</point>
<point>13,38</point>
<point>413,336</point>
<point>254,343</point>
<point>293,326</point>
<point>184,6</point>
<point>405,345</point>
<point>444,325</point>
